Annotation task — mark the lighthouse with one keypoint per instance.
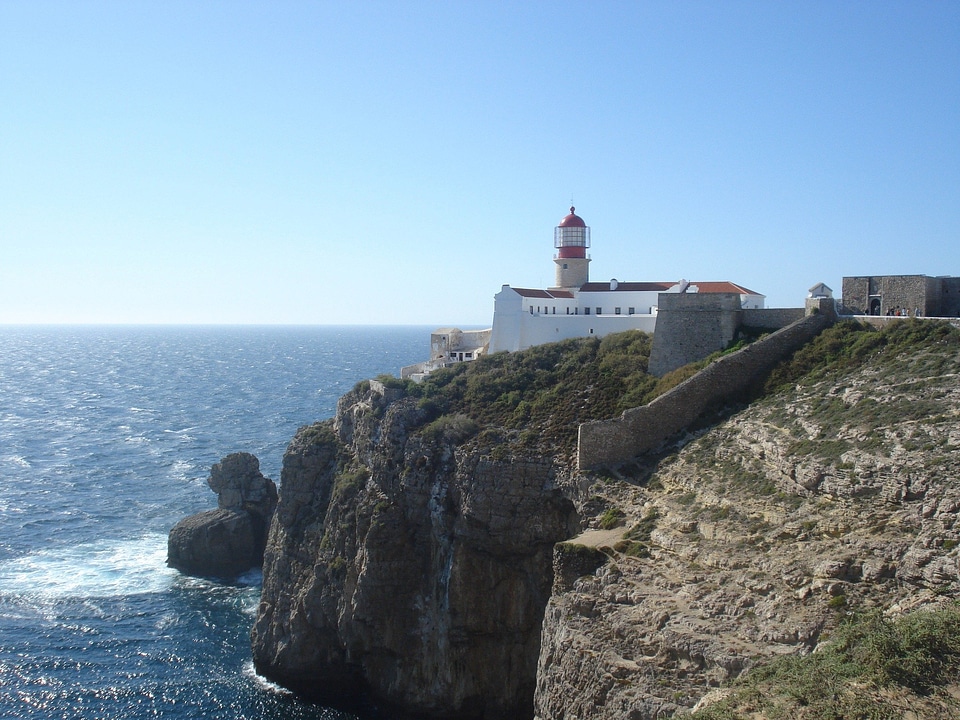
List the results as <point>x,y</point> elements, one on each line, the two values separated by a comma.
<point>571,238</point>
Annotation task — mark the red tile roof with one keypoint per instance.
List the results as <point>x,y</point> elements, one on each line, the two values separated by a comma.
<point>724,286</point>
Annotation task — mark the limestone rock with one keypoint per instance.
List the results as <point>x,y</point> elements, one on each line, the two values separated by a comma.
<point>230,540</point>
<point>240,485</point>
<point>414,571</point>
<point>797,510</point>
<point>215,543</point>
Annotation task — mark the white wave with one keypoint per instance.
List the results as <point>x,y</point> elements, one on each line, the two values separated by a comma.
<point>107,568</point>
<point>261,681</point>
<point>182,469</point>
<point>17,460</point>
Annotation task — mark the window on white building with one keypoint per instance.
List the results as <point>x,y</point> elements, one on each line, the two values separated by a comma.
<point>631,311</point>
<point>586,311</point>
<point>616,311</point>
<point>599,311</point>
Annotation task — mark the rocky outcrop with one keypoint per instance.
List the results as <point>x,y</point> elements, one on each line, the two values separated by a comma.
<point>408,568</point>
<point>412,563</point>
<point>230,540</point>
<point>758,538</point>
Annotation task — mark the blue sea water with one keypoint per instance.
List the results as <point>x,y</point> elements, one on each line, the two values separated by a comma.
<point>107,435</point>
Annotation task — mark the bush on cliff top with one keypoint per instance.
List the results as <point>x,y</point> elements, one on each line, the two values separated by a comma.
<point>548,390</point>
<point>917,654</point>
<point>542,394</point>
<point>849,345</point>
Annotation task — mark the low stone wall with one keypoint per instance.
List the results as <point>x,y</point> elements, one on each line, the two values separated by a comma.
<point>770,318</point>
<point>639,430</point>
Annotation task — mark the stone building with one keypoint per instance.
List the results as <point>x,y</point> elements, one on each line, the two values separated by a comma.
<point>911,295</point>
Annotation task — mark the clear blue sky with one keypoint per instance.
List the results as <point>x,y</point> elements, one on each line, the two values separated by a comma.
<point>397,162</point>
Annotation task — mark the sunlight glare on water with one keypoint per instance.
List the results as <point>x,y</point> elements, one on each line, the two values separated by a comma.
<point>107,436</point>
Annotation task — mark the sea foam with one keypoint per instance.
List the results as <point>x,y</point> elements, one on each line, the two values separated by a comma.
<point>105,568</point>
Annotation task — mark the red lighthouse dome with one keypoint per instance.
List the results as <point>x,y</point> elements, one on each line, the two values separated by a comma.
<point>572,236</point>
<point>572,220</point>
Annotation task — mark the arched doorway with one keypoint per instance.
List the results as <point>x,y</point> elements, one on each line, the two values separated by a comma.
<point>875,306</point>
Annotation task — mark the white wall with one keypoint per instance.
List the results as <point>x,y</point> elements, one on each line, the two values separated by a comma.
<point>507,311</point>
<point>516,328</point>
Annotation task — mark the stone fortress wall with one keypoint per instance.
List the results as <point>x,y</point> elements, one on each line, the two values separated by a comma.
<point>642,429</point>
<point>691,326</point>
<point>885,294</point>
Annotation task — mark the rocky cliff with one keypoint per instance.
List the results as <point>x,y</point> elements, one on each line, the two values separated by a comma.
<point>837,494</point>
<point>405,567</point>
<point>451,562</point>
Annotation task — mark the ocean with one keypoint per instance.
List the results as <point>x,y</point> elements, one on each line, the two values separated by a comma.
<point>107,435</point>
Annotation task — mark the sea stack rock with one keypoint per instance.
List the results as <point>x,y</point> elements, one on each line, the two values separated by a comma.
<point>229,540</point>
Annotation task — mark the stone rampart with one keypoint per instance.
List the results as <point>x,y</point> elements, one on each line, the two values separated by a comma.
<point>770,318</point>
<point>691,326</point>
<point>642,429</point>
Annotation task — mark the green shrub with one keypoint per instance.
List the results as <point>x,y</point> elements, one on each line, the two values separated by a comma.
<point>837,602</point>
<point>920,652</point>
<point>641,531</point>
<point>611,518</point>
<point>349,480</point>
<point>394,383</point>
<point>451,428</point>
<point>632,548</point>
<point>547,390</point>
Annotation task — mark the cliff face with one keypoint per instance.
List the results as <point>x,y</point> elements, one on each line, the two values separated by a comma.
<point>450,576</point>
<point>401,566</point>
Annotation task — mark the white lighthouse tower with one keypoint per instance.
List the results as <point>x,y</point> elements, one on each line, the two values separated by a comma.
<point>571,238</point>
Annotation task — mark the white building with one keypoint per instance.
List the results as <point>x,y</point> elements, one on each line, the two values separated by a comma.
<point>574,307</point>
